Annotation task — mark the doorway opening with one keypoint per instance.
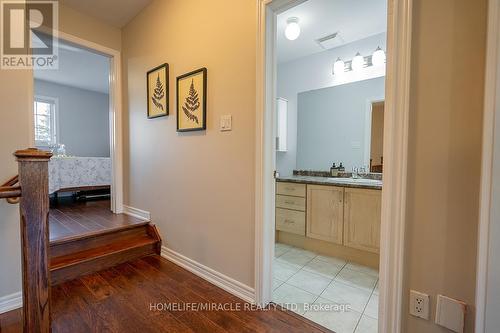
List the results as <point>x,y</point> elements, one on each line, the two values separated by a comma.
<point>297,204</point>
<point>328,197</point>
<point>77,116</point>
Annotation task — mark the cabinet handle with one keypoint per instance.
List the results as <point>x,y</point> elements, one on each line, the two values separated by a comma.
<point>288,221</point>
<point>289,202</point>
<point>341,196</point>
<point>290,189</point>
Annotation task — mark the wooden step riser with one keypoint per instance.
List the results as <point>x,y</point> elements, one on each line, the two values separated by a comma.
<point>100,263</point>
<point>78,245</point>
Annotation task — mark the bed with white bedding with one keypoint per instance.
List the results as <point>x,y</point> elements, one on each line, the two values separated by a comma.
<point>79,173</point>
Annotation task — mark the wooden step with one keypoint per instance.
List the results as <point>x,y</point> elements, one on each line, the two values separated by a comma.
<point>78,256</point>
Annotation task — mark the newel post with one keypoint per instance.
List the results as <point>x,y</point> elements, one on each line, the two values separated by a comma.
<point>34,209</point>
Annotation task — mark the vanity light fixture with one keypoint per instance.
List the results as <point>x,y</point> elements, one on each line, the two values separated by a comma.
<point>378,57</point>
<point>339,66</point>
<point>292,31</point>
<point>358,62</point>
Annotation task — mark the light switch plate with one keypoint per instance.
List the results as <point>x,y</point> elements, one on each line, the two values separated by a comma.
<point>450,313</point>
<point>226,123</point>
<point>419,304</point>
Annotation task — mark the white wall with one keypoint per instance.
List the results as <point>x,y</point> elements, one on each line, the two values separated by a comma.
<point>332,124</point>
<point>83,118</point>
<point>310,73</point>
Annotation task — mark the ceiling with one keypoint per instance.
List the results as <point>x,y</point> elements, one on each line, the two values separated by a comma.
<point>78,68</point>
<point>114,12</point>
<point>353,19</point>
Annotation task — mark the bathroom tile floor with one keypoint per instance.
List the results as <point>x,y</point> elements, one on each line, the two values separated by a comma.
<point>320,287</point>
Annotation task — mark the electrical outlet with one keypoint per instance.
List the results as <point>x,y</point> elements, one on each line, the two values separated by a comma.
<point>419,304</point>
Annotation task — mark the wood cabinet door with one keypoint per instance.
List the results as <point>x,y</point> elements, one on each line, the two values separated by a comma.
<point>325,211</point>
<point>362,218</point>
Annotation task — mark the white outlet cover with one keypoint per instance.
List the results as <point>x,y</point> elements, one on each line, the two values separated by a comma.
<point>419,304</point>
<point>450,313</point>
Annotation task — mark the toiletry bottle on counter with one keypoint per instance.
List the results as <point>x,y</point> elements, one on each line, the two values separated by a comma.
<point>334,170</point>
<point>341,168</point>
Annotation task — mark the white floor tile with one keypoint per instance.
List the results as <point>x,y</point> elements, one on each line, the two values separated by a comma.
<point>310,282</point>
<point>344,294</point>
<point>279,251</point>
<point>295,258</point>
<point>337,321</point>
<point>331,260</point>
<point>367,325</point>
<point>283,271</point>
<point>375,291</point>
<point>372,307</point>
<point>303,252</point>
<point>323,268</point>
<point>362,269</point>
<point>357,279</point>
<point>277,283</point>
<point>293,298</point>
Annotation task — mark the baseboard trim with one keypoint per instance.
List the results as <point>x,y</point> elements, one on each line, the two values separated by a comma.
<point>230,285</point>
<point>11,302</point>
<point>136,212</point>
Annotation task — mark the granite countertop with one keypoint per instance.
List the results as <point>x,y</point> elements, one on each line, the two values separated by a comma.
<point>342,182</point>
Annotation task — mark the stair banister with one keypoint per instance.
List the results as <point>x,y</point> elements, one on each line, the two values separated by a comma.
<point>34,211</point>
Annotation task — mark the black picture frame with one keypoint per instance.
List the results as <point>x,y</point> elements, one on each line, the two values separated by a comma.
<point>203,126</point>
<point>167,91</point>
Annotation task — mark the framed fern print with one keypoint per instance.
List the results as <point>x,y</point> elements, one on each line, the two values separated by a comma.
<point>158,90</point>
<point>192,101</point>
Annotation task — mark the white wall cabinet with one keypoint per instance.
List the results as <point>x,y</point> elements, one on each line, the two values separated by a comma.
<point>281,124</point>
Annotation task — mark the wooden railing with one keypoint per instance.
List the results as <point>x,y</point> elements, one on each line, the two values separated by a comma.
<point>10,192</point>
<point>33,192</point>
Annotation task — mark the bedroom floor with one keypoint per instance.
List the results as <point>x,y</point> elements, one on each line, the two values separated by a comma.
<point>69,218</point>
<point>320,286</point>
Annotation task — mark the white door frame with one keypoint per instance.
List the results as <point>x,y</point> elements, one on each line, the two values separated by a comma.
<point>395,156</point>
<point>115,115</point>
<point>489,167</point>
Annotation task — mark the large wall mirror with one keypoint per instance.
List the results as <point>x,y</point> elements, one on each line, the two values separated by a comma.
<point>344,124</point>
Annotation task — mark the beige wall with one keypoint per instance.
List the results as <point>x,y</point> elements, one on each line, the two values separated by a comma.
<point>445,151</point>
<point>16,96</point>
<point>199,187</point>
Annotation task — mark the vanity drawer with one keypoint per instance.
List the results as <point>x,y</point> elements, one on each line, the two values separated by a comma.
<point>289,202</point>
<point>294,189</point>
<point>291,221</point>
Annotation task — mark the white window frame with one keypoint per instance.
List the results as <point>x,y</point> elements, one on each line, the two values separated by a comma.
<point>54,120</point>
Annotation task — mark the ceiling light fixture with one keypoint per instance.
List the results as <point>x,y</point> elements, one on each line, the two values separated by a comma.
<point>378,57</point>
<point>358,62</point>
<point>292,31</point>
<point>338,67</point>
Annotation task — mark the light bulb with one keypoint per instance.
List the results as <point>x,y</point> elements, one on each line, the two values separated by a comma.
<point>338,67</point>
<point>292,31</point>
<point>378,57</point>
<point>358,62</point>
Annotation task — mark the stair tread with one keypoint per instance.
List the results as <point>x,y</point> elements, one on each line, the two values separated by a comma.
<point>100,251</point>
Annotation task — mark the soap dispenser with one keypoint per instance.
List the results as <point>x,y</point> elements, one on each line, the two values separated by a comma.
<point>341,168</point>
<point>334,170</point>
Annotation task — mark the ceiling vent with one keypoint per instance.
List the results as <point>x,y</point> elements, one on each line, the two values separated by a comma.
<point>331,41</point>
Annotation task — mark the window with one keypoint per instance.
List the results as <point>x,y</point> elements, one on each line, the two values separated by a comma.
<point>45,121</point>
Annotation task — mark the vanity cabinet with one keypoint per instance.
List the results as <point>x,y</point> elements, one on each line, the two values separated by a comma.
<point>291,208</point>
<point>325,212</point>
<point>362,211</point>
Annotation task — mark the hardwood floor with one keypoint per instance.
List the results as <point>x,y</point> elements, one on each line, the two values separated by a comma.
<point>119,300</point>
<point>70,219</point>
